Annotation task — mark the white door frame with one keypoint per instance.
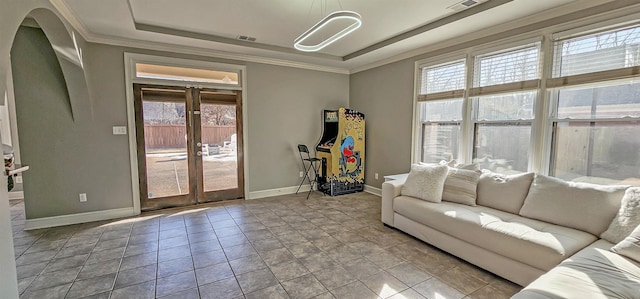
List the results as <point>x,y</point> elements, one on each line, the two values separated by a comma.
<point>130,60</point>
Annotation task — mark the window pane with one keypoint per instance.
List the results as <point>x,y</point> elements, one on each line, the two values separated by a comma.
<point>598,52</point>
<point>597,152</point>
<point>165,129</point>
<point>447,110</point>
<point>502,148</point>
<point>443,78</point>
<point>219,142</point>
<point>507,67</point>
<point>153,71</point>
<point>612,101</point>
<point>440,142</point>
<point>513,106</point>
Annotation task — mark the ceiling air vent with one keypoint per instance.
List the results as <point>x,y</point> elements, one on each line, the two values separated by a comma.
<point>247,38</point>
<point>464,4</point>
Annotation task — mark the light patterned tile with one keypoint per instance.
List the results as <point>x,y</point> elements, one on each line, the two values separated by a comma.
<point>462,281</point>
<point>175,283</point>
<point>280,247</point>
<point>256,280</point>
<point>354,290</point>
<point>227,288</point>
<point>434,287</point>
<point>91,286</point>
<point>304,287</point>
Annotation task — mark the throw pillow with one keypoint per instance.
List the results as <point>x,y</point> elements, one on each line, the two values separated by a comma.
<point>627,219</point>
<point>460,186</point>
<point>425,182</point>
<point>630,246</point>
<point>503,192</point>
<point>583,206</point>
<point>452,163</point>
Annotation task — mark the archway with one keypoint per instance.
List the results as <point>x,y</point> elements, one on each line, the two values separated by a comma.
<point>67,51</point>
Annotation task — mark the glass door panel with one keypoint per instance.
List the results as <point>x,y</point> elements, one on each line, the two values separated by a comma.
<point>189,145</point>
<point>219,146</point>
<point>165,135</point>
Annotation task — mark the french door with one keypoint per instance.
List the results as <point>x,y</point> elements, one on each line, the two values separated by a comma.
<point>189,145</point>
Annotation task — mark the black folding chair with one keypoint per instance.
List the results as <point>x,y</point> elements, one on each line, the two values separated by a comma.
<point>310,164</point>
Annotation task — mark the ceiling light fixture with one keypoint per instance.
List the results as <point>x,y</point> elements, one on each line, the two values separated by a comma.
<point>338,15</point>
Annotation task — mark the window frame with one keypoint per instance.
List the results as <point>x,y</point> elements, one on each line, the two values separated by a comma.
<point>553,119</point>
<point>417,125</point>
<point>541,146</point>
<point>444,122</point>
<point>470,94</point>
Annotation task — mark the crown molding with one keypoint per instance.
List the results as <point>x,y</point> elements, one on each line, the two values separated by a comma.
<point>482,7</point>
<point>157,46</point>
<point>229,41</point>
<point>70,16</point>
<point>602,8</point>
<point>596,11</point>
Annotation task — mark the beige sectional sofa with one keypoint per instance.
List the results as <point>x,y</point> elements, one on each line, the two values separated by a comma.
<point>544,232</point>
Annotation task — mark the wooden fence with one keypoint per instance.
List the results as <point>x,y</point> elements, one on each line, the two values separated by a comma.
<point>174,136</point>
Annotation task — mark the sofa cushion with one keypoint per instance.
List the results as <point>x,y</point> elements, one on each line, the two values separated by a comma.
<point>594,272</point>
<point>583,206</point>
<point>627,219</point>
<point>630,246</point>
<point>425,182</point>
<point>535,243</point>
<point>454,164</point>
<point>460,186</point>
<point>503,192</point>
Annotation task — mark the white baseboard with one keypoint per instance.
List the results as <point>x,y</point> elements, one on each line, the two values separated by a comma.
<point>16,195</point>
<point>373,190</point>
<point>305,188</point>
<point>277,191</point>
<point>77,218</point>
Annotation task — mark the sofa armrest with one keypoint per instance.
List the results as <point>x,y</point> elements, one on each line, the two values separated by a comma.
<point>390,190</point>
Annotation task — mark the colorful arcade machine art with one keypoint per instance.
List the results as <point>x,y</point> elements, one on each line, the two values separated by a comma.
<point>341,150</point>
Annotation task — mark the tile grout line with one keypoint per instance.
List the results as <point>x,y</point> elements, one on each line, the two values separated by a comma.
<point>113,285</point>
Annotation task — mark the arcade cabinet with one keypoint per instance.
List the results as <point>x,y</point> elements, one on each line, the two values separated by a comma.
<point>341,151</point>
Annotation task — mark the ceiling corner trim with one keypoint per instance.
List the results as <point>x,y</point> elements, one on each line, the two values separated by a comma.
<point>70,16</point>
<point>620,9</point>
<point>165,47</point>
<point>226,40</point>
<point>429,26</point>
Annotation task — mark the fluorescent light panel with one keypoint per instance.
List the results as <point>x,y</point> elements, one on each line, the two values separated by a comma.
<point>338,15</point>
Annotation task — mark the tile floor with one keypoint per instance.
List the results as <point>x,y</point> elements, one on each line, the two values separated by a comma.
<point>280,247</point>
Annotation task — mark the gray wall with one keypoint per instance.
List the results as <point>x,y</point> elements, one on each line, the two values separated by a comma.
<point>71,155</point>
<point>385,95</point>
<point>67,155</point>
<point>285,108</point>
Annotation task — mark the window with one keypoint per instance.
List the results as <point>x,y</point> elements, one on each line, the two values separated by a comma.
<point>604,51</point>
<point>507,67</point>
<point>502,99</point>
<point>595,115</point>
<point>441,130</point>
<point>597,133</point>
<point>502,128</point>
<point>441,111</point>
<point>502,122</point>
<point>577,117</point>
<point>152,71</point>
